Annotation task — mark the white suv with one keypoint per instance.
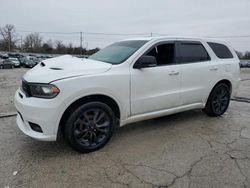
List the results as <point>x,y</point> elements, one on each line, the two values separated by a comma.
<point>128,81</point>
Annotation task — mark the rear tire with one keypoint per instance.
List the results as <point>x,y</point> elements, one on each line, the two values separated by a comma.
<point>218,100</point>
<point>90,127</point>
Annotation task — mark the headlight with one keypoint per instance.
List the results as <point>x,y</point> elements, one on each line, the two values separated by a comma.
<point>43,90</point>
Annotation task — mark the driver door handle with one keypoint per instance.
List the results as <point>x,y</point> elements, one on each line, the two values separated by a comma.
<point>172,73</point>
<point>214,68</point>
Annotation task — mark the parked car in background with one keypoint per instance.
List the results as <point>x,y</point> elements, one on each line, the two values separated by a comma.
<point>15,55</point>
<point>15,61</point>
<point>128,81</point>
<point>6,64</point>
<point>4,56</point>
<point>1,62</point>
<point>43,57</point>
<point>22,60</point>
<point>29,63</point>
<point>245,63</point>
<point>34,59</point>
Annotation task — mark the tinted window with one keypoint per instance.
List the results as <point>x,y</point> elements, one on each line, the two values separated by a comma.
<point>164,53</point>
<point>118,52</point>
<point>192,52</point>
<point>220,50</point>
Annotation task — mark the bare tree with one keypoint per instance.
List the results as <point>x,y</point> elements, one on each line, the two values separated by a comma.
<point>70,48</point>
<point>8,33</point>
<point>60,47</point>
<point>50,43</point>
<point>247,55</point>
<point>33,42</point>
<point>47,47</point>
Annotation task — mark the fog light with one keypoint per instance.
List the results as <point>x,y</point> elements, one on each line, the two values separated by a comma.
<point>35,127</point>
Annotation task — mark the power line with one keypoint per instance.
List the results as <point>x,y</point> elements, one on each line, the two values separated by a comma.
<point>89,33</point>
<point>229,36</point>
<point>122,34</point>
<point>119,34</point>
<point>48,32</point>
<point>98,37</point>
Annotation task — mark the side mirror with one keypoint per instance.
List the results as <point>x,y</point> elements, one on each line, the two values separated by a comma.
<point>145,61</point>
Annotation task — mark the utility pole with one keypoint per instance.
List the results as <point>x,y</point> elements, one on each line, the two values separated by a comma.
<point>9,41</point>
<point>21,43</point>
<point>151,34</point>
<point>81,42</point>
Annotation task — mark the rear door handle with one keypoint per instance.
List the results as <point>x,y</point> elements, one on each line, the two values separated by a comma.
<point>214,68</point>
<point>172,73</point>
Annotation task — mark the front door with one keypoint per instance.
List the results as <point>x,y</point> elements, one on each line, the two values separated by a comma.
<point>156,88</point>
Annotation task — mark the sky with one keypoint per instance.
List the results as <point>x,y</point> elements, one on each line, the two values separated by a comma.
<point>65,19</point>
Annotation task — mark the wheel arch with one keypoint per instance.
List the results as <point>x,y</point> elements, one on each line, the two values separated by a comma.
<point>224,81</point>
<point>112,103</point>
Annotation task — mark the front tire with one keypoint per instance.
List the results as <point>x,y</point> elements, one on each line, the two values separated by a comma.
<point>90,127</point>
<point>218,100</point>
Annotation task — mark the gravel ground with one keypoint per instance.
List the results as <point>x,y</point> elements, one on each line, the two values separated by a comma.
<point>10,80</point>
<point>244,89</point>
<point>183,150</point>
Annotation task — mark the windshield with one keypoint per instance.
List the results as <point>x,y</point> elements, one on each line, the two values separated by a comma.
<point>118,52</point>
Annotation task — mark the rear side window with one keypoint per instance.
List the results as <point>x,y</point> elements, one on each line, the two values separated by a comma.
<point>192,52</point>
<point>220,50</point>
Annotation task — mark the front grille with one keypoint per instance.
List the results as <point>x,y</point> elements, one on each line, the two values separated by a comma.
<point>25,88</point>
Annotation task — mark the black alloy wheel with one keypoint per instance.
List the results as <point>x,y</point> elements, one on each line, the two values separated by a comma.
<point>218,100</point>
<point>90,127</point>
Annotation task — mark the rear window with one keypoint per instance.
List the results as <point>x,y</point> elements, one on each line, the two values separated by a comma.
<point>220,50</point>
<point>192,52</point>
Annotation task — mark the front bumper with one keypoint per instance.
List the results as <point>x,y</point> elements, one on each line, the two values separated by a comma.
<point>44,112</point>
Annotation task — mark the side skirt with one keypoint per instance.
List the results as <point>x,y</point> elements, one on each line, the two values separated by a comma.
<point>151,115</point>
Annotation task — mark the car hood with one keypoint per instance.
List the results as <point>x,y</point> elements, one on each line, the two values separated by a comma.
<point>63,67</point>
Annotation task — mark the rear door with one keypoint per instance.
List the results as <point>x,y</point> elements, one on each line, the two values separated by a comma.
<point>196,68</point>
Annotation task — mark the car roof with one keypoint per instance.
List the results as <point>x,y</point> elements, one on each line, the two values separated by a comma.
<point>205,39</point>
